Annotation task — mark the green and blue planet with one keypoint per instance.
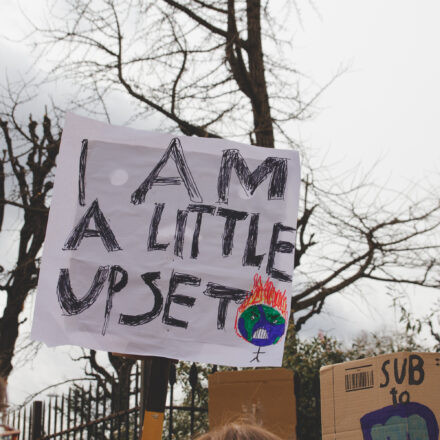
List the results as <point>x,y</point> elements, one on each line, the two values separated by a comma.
<point>261,325</point>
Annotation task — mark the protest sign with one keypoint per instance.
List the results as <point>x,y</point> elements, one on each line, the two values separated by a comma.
<point>386,397</point>
<point>250,395</point>
<point>172,246</point>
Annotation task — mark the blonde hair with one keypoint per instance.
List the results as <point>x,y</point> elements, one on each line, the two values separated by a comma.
<point>239,431</point>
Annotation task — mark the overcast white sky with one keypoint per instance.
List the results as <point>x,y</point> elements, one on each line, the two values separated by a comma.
<point>384,107</point>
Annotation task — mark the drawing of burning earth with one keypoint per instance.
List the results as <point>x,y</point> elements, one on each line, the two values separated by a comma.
<point>261,318</point>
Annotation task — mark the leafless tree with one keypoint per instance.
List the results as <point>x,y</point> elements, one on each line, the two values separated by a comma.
<point>26,180</point>
<point>206,67</point>
<point>222,69</point>
<point>225,69</point>
<point>116,387</point>
<point>28,159</point>
<point>363,232</point>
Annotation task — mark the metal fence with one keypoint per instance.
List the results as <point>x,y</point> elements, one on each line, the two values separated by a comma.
<point>86,413</point>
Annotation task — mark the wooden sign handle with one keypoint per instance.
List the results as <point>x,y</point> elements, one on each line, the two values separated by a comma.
<point>155,373</point>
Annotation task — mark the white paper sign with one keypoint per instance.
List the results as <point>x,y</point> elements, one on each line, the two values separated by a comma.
<point>171,246</point>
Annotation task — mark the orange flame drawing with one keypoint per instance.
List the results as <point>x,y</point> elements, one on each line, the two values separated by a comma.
<point>265,294</point>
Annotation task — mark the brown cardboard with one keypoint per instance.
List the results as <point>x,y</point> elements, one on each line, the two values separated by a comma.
<point>264,396</point>
<point>382,398</point>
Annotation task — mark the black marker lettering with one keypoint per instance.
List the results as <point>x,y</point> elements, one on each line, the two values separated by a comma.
<point>183,300</point>
<point>113,287</point>
<point>249,257</point>
<point>68,300</point>
<point>385,373</point>
<point>102,230</point>
<point>179,235</point>
<point>154,225</point>
<point>82,173</point>
<point>228,235</point>
<point>144,318</point>
<point>393,393</point>
<point>404,397</point>
<point>250,181</point>
<point>174,151</point>
<point>200,209</point>
<point>225,295</point>
<point>284,247</point>
<point>401,377</point>
<point>416,366</point>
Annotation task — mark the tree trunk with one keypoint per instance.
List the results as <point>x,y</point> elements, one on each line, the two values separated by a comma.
<point>121,387</point>
<point>260,101</point>
<point>22,281</point>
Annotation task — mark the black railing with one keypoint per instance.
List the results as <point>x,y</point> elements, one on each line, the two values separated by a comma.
<point>92,413</point>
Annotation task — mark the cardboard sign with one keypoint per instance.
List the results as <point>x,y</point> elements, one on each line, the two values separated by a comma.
<point>265,397</point>
<point>388,397</point>
<point>179,247</point>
